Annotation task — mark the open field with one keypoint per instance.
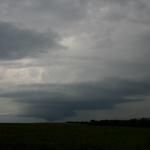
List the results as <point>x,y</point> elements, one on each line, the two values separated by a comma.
<point>72,137</point>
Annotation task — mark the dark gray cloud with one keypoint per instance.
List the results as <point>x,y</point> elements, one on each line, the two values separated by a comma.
<point>55,102</point>
<point>16,43</point>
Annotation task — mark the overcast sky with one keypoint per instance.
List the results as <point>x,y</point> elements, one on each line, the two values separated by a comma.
<point>66,60</point>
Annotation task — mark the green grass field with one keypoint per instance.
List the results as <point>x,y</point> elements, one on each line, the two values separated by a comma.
<point>72,137</point>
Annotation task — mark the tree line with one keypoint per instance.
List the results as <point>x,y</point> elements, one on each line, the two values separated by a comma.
<point>142,122</point>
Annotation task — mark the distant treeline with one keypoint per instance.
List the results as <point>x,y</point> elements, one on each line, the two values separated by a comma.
<point>143,122</point>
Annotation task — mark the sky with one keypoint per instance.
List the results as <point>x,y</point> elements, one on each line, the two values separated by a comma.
<point>73,60</point>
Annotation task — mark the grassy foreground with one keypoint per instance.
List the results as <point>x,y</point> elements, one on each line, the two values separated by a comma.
<point>72,137</point>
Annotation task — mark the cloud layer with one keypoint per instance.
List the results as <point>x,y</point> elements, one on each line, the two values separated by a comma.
<point>56,102</point>
<point>102,71</point>
<point>16,43</point>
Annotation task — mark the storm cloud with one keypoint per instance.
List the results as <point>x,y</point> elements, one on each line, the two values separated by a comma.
<point>17,43</point>
<point>55,102</point>
<point>74,59</point>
